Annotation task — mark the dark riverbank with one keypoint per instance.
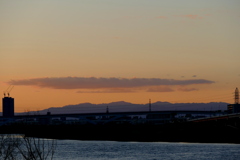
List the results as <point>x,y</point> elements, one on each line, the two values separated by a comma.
<point>176,132</point>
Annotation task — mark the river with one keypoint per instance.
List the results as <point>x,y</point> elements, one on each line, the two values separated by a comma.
<point>111,150</point>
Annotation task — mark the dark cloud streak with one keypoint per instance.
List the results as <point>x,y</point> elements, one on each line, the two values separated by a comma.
<point>187,89</point>
<point>100,83</point>
<point>160,89</point>
<point>112,90</point>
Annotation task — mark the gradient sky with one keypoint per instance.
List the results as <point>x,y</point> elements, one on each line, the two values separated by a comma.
<point>60,52</point>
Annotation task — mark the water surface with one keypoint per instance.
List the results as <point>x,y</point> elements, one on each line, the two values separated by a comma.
<point>110,150</point>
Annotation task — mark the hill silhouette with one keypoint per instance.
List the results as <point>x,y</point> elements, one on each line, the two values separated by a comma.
<point>122,106</point>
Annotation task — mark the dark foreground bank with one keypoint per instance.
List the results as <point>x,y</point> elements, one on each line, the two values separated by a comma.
<point>175,132</point>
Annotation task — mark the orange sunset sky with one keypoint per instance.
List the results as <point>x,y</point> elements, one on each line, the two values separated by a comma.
<point>61,52</point>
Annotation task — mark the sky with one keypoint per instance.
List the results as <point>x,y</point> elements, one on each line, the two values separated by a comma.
<point>58,52</point>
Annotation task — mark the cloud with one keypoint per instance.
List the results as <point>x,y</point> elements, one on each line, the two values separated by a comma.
<point>187,89</point>
<point>160,89</point>
<point>103,83</point>
<point>192,16</point>
<point>194,76</point>
<point>114,90</point>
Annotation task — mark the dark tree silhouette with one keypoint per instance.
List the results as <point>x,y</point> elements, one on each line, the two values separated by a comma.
<point>19,147</point>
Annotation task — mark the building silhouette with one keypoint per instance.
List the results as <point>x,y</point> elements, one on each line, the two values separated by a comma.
<point>8,107</point>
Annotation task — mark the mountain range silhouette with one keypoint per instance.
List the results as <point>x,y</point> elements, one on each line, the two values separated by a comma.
<point>122,106</point>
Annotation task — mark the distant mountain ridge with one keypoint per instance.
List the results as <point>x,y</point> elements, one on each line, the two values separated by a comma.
<point>122,106</point>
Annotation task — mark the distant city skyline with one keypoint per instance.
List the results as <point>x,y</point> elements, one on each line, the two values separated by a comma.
<point>56,53</point>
